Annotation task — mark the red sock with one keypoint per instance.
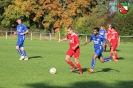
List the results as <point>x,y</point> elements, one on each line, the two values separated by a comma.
<point>111,54</point>
<point>70,63</point>
<point>79,67</point>
<point>116,55</point>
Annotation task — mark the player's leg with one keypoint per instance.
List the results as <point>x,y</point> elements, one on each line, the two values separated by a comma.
<point>76,56</point>
<point>67,58</point>
<point>116,54</point>
<point>104,59</point>
<point>23,51</point>
<point>93,63</point>
<point>113,51</point>
<point>19,50</point>
<point>105,46</point>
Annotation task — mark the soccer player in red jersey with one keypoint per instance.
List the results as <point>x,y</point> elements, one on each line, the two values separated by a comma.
<point>74,49</point>
<point>114,43</point>
<point>108,34</point>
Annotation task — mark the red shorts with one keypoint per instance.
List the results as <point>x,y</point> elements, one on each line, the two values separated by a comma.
<point>113,46</point>
<point>71,52</point>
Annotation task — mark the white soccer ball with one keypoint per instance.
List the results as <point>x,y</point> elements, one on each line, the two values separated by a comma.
<point>52,70</point>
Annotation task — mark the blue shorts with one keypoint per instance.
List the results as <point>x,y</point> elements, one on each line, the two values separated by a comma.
<point>20,43</point>
<point>103,41</point>
<point>98,52</point>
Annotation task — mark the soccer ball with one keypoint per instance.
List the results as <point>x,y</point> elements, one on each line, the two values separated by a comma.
<point>52,70</point>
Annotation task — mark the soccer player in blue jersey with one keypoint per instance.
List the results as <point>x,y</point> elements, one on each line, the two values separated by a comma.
<point>102,33</point>
<point>21,31</point>
<point>97,39</point>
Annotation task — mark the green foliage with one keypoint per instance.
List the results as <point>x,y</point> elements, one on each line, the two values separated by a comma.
<point>123,24</point>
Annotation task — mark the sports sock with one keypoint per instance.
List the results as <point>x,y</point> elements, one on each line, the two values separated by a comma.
<point>79,67</point>
<point>111,54</point>
<point>107,59</point>
<point>24,53</point>
<point>93,63</point>
<point>116,55</point>
<point>70,63</point>
<point>20,52</point>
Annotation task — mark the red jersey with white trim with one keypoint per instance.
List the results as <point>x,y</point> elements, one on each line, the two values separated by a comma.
<point>114,37</point>
<point>73,40</point>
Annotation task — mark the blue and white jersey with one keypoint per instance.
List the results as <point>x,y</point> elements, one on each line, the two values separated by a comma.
<point>97,40</point>
<point>102,33</point>
<point>21,28</point>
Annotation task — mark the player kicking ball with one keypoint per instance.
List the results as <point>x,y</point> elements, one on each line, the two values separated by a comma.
<point>21,31</point>
<point>97,39</point>
<point>73,50</point>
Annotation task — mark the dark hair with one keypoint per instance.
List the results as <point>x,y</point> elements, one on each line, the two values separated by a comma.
<point>96,28</point>
<point>112,27</point>
<point>70,27</point>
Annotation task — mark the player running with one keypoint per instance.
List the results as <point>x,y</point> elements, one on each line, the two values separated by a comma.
<point>21,30</point>
<point>73,50</point>
<point>97,40</point>
<point>108,34</point>
<point>114,43</point>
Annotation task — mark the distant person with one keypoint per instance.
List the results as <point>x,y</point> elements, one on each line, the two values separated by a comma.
<point>114,40</point>
<point>98,48</point>
<point>74,49</point>
<point>108,34</point>
<point>102,33</point>
<point>21,31</point>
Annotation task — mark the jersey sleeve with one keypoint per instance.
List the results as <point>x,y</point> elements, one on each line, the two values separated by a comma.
<point>24,27</point>
<point>91,38</point>
<point>68,36</point>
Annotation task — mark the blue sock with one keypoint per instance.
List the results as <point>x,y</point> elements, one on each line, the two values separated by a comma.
<point>24,53</point>
<point>93,63</point>
<point>107,59</point>
<point>20,52</point>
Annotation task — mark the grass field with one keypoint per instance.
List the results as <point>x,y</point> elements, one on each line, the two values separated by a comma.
<point>43,55</point>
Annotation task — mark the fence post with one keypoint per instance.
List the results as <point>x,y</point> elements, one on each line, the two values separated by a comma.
<point>31,36</point>
<point>50,36</point>
<point>86,38</point>
<point>40,36</point>
<point>6,34</point>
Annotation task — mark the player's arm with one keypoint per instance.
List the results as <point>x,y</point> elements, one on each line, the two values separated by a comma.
<point>86,42</point>
<point>61,40</point>
<point>15,33</point>
<point>108,42</point>
<point>25,32</point>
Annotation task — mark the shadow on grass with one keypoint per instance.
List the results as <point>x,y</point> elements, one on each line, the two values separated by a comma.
<point>107,70</point>
<point>35,57</point>
<point>109,50</point>
<point>121,58</point>
<point>84,84</point>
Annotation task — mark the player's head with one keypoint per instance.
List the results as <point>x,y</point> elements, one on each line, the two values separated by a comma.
<point>69,29</point>
<point>113,28</point>
<point>19,21</point>
<point>102,27</point>
<point>96,30</point>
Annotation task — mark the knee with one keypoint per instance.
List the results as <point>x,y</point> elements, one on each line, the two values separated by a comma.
<point>67,58</point>
<point>76,60</point>
<point>17,47</point>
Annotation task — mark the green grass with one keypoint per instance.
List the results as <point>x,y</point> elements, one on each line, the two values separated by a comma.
<point>43,55</point>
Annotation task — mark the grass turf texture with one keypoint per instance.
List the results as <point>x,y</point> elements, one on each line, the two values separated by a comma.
<point>44,55</point>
